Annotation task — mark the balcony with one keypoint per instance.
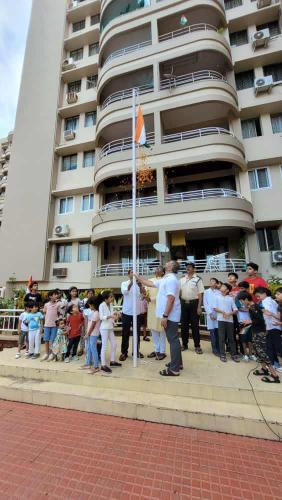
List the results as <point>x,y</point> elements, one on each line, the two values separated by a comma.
<point>186,31</point>
<point>80,9</point>
<point>76,103</point>
<point>121,145</point>
<point>127,50</point>
<point>194,134</point>
<point>118,205</point>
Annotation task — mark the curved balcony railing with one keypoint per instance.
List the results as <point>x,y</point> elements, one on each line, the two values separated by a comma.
<point>140,202</point>
<point>177,81</point>
<point>122,145</point>
<point>127,50</point>
<point>219,263</point>
<point>187,30</point>
<point>194,134</point>
<point>202,194</point>
<point>126,94</point>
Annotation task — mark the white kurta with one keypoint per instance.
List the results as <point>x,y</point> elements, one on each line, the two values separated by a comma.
<point>209,304</point>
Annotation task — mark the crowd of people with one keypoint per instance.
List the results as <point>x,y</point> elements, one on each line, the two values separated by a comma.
<point>243,320</point>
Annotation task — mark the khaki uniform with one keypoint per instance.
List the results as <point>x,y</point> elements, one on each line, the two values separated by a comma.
<point>190,288</point>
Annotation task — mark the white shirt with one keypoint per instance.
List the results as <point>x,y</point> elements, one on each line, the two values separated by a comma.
<point>127,304</point>
<point>106,310</point>
<point>168,285</point>
<point>22,318</point>
<point>270,305</point>
<point>226,304</point>
<point>209,299</point>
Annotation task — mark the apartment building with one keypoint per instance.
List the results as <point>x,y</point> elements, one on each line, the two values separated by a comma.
<point>5,154</point>
<point>209,78</point>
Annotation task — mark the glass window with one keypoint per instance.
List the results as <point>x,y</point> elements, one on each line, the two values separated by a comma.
<point>276,123</point>
<point>74,86</point>
<point>230,4</point>
<point>83,252</point>
<point>275,70</point>
<point>77,54</point>
<point>268,239</point>
<point>238,38</point>
<point>88,159</point>
<point>63,252</point>
<point>273,26</point>
<point>244,80</point>
<point>71,123</point>
<point>259,179</point>
<point>66,205</point>
<point>69,163</point>
<point>87,202</point>
<point>79,25</point>
<point>251,128</point>
<point>90,119</point>
<point>91,82</point>
<point>95,19</point>
<point>93,49</point>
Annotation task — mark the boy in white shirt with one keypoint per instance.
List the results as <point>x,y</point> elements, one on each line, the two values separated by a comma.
<point>23,330</point>
<point>225,308</point>
<point>212,324</point>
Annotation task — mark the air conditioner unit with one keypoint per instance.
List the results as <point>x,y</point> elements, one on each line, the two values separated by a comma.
<point>74,3</point>
<point>263,84</point>
<point>62,230</point>
<point>263,3</point>
<point>68,64</point>
<point>276,257</point>
<point>60,272</point>
<point>261,38</point>
<point>72,97</point>
<point>69,135</point>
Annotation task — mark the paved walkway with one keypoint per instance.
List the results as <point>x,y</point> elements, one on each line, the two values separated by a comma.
<point>53,453</point>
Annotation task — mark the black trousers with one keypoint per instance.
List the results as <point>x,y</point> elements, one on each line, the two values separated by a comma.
<point>127,323</point>
<point>189,316</point>
<point>274,344</point>
<point>72,346</point>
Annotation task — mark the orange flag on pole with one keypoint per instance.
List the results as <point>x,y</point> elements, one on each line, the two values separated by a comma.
<point>140,136</point>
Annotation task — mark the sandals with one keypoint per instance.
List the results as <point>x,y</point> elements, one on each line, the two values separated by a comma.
<point>180,367</point>
<point>168,373</point>
<point>260,373</point>
<point>274,379</point>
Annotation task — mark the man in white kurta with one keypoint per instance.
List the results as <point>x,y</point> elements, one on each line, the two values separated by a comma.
<point>209,305</point>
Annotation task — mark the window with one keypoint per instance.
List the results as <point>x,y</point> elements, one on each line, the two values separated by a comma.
<point>95,19</point>
<point>87,202</point>
<point>74,86</point>
<point>89,159</point>
<point>77,54</point>
<point>93,49</point>
<point>63,252</point>
<point>230,4</point>
<point>90,119</point>
<point>273,26</point>
<point>276,123</point>
<point>79,25</point>
<point>66,205</point>
<point>275,70</point>
<point>91,82</point>
<point>71,123</point>
<point>259,179</point>
<point>83,252</point>
<point>268,239</point>
<point>238,38</point>
<point>251,128</point>
<point>244,80</point>
<point>69,163</point>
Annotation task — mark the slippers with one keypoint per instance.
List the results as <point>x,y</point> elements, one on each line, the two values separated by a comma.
<point>260,373</point>
<point>271,380</point>
<point>168,373</point>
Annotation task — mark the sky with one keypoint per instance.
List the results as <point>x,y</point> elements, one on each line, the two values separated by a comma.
<point>14,19</point>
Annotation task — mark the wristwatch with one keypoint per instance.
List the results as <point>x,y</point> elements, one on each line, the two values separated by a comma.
<point>165,316</point>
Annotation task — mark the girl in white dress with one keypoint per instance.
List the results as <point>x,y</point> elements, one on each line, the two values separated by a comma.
<point>108,318</point>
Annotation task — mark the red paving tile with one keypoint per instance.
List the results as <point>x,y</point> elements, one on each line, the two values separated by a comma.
<point>64,454</point>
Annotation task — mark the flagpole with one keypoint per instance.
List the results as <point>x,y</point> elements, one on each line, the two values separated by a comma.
<point>134,255</point>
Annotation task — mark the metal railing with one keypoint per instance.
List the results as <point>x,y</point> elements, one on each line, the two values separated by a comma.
<point>193,134</point>
<point>126,94</point>
<point>140,202</point>
<point>122,145</point>
<point>202,194</point>
<point>127,50</point>
<point>187,30</point>
<point>9,319</point>
<point>219,263</point>
<point>177,81</point>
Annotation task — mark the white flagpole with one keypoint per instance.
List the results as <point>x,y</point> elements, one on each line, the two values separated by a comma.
<point>134,255</point>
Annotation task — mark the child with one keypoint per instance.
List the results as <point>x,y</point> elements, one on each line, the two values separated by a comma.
<point>278,297</point>
<point>51,311</point>
<point>23,330</point>
<point>254,280</point>
<point>93,332</point>
<point>35,327</point>
<point>107,317</point>
<point>271,313</point>
<point>259,337</point>
<point>143,314</point>
<point>212,324</point>
<point>225,309</point>
<point>59,346</point>
<point>75,323</point>
<point>245,333</point>
<point>33,295</point>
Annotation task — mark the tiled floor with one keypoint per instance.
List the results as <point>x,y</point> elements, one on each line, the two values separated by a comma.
<point>54,453</point>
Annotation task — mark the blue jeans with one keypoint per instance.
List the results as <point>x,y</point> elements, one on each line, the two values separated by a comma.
<point>214,340</point>
<point>49,334</point>
<point>91,351</point>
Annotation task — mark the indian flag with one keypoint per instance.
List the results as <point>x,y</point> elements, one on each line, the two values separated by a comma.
<point>140,136</point>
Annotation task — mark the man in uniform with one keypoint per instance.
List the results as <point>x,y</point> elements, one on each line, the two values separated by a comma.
<point>191,293</point>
